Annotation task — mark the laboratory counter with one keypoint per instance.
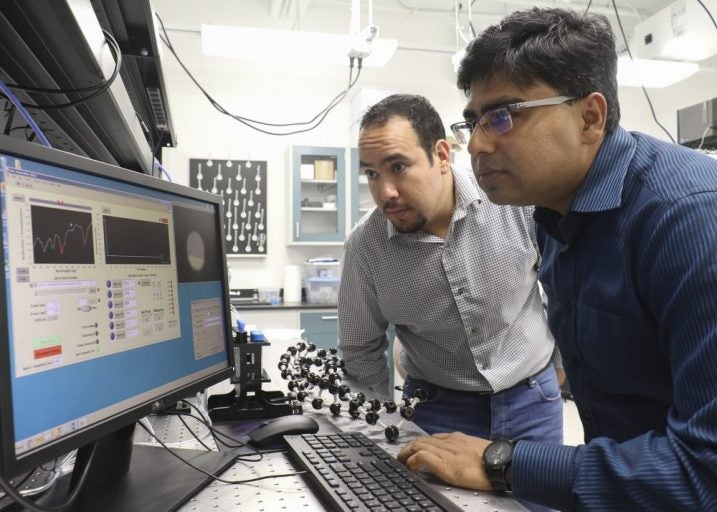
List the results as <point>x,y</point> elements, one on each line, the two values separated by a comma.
<point>264,306</point>
<point>296,492</point>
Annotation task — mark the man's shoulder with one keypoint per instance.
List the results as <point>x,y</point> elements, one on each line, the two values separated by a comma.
<point>369,229</point>
<point>672,171</point>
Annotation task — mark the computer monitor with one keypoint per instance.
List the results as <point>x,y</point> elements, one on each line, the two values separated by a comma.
<point>114,302</point>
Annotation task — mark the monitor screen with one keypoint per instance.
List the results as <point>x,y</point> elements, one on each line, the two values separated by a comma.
<point>114,300</point>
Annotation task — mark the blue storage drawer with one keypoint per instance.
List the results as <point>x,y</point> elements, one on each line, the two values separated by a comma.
<point>320,328</point>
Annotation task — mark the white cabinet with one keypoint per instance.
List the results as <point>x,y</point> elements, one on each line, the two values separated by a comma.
<point>360,195</point>
<point>318,199</point>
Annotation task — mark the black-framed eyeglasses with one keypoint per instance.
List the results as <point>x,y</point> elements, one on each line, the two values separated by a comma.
<point>500,120</point>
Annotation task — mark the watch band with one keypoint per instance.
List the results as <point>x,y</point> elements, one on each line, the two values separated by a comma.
<point>498,481</point>
<point>497,459</point>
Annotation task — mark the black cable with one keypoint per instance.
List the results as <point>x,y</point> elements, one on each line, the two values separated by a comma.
<point>165,39</point>
<point>206,420</point>
<point>221,109</point>
<point>45,90</point>
<point>100,89</point>
<point>10,118</point>
<point>708,12</point>
<point>155,148</point>
<point>239,444</point>
<point>629,53</point>
<point>218,479</point>
<point>12,493</point>
<point>164,36</point>
<point>215,433</point>
<point>247,121</point>
<point>26,127</point>
<point>18,485</point>
<point>194,434</point>
<point>590,3</point>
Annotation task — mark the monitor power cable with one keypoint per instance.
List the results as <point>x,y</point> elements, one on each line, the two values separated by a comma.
<point>30,505</point>
<point>217,478</point>
<point>237,444</point>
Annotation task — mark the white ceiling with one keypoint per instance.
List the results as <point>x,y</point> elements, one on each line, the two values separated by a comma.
<point>419,25</point>
<point>631,11</point>
<point>429,28</point>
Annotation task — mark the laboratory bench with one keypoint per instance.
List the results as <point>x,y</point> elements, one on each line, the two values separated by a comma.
<point>319,322</point>
<point>263,306</point>
<point>297,492</point>
<point>192,440</point>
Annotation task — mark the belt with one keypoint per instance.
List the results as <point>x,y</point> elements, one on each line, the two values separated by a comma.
<point>527,381</point>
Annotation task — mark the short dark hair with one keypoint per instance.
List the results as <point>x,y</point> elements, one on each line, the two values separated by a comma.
<point>424,118</point>
<point>573,53</point>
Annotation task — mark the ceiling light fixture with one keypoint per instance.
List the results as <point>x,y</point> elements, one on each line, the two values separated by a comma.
<point>652,73</point>
<point>317,48</point>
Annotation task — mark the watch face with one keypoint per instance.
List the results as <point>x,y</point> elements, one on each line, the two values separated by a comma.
<point>498,453</point>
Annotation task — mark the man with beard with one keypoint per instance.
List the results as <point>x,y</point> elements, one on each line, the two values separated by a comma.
<point>457,277</point>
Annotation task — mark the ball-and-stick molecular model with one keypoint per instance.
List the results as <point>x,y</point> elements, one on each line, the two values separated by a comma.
<point>312,372</point>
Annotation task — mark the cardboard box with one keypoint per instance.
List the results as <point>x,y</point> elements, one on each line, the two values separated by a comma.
<point>324,170</point>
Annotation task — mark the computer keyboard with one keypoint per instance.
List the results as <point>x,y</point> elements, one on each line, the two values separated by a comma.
<point>354,474</point>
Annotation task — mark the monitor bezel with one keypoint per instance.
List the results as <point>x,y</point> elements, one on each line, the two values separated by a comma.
<point>12,466</point>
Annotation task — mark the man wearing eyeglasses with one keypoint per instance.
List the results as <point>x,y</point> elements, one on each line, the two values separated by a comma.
<point>627,230</point>
<point>457,277</point>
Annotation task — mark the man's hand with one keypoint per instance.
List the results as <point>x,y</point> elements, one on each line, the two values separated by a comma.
<point>455,458</point>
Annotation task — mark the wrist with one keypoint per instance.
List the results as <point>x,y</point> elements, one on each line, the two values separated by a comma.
<point>497,459</point>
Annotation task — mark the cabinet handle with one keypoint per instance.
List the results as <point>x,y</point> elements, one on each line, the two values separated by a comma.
<point>330,317</point>
<point>297,230</point>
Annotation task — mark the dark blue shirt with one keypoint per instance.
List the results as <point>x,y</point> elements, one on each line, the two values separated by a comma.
<point>630,272</point>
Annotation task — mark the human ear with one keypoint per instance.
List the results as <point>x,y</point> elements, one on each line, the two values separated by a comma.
<point>442,151</point>
<point>594,116</point>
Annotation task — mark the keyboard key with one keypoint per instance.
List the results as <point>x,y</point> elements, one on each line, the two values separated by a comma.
<point>357,475</point>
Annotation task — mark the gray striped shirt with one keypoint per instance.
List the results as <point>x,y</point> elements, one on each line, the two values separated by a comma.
<point>467,309</point>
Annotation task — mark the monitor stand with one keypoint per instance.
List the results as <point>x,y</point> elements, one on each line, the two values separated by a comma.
<point>155,480</point>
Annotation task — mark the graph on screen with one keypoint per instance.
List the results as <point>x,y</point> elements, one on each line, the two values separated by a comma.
<point>131,241</point>
<point>61,236</point>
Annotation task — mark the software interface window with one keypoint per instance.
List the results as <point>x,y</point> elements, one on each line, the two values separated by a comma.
<point>103,276</point>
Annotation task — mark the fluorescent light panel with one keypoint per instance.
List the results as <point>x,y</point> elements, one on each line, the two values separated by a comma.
<point>635,72</point>
<point>652,73</point>
<point>317,48</point>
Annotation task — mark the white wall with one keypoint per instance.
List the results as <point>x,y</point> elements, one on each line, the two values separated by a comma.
<point>636,112</point>
<point>286,93</point>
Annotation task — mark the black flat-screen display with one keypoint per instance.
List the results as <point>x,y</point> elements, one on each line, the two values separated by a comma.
<point>114,300</point>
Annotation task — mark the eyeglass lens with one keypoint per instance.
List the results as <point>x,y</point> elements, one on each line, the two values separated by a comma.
<point>498,121</point>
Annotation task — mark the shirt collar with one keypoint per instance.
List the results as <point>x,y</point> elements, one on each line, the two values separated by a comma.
<point>602,188</point>
<point>466,193</point>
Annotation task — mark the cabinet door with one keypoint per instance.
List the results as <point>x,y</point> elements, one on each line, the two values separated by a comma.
<point>317,191</point>
<point>361,199</point>
<point>320,327</point>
